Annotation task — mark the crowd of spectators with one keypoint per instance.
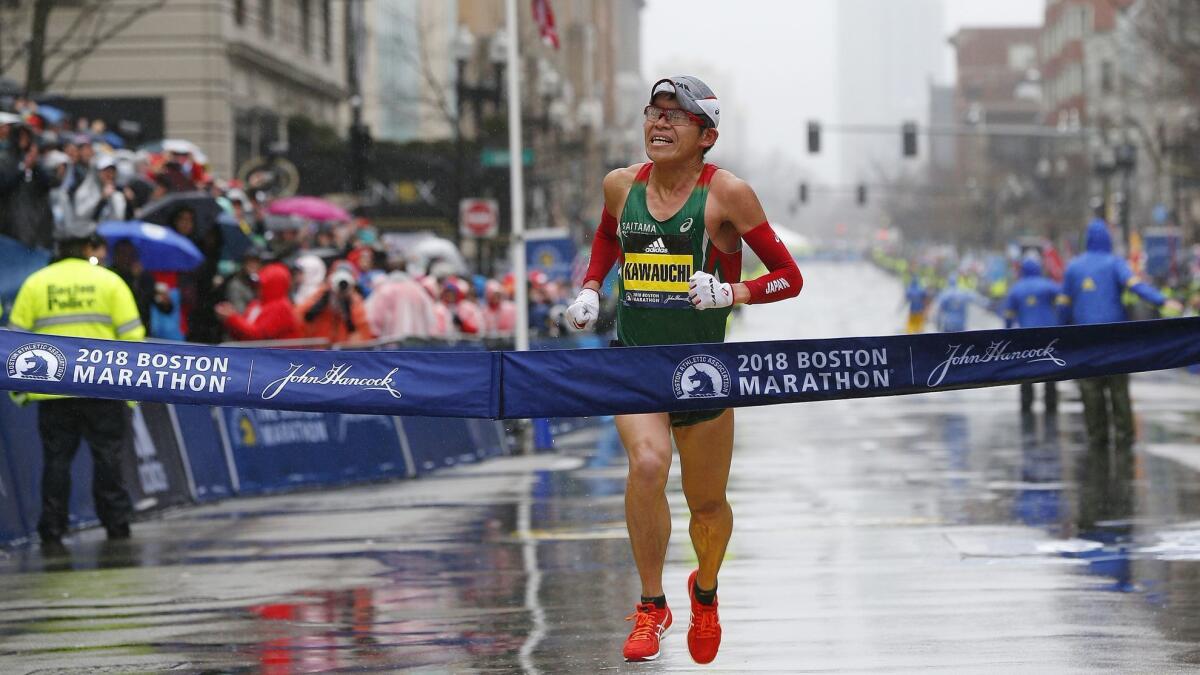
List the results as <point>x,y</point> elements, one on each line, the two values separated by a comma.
<point>331,281</point>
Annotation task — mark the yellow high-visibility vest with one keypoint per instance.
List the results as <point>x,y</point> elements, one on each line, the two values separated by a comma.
<point>75,298</point>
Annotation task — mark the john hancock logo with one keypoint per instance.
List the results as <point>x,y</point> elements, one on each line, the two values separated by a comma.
<point>37,361</point>
<point>336,376</point>
<point>701,376</point>
<point>959,355</point>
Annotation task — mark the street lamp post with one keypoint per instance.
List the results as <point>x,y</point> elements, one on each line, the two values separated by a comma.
<point>1125,156</point>
<point>474,94</point>
<point>464,48</point>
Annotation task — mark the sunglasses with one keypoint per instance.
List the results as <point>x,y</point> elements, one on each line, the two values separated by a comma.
<point>675,116</point>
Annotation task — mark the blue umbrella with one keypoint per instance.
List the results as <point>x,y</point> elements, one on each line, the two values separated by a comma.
<point>160,249</point>
<point>113,139</point>
<point>50,113</point>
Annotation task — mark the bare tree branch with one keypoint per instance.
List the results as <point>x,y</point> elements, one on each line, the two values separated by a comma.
<point>100,35</point>
<point>68,35</point>
<point>417,56</point>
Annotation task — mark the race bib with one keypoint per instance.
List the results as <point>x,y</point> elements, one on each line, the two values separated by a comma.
<point>656,270</point>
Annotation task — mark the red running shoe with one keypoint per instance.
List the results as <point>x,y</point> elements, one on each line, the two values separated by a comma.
<point>704,631</point>
<point>649,625</point>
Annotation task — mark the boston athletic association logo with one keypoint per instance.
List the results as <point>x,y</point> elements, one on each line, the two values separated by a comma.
<point>701,376</point>
<point>37,361</point>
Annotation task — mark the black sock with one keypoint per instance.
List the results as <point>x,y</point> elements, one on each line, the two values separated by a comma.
<point>704,597</point>
<point>660,601</point>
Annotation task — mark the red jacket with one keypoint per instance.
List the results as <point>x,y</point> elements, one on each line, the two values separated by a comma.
<point>271,316</point>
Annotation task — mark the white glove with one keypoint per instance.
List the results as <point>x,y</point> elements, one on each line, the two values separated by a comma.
<point>706,292</point>
<point>583,312</point>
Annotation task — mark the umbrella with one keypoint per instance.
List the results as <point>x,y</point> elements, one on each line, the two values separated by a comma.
<point>113,139</point>
<point>157,147</point>
<point>51,114</point>
<point>435,249</point>
<point>160,249</point>
<point>312,208</point>
<point>236,240</point>
<point>202,205</point>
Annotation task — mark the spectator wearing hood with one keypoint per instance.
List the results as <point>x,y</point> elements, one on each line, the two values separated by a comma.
<point>336,311</point>
<point>464,311</point>
<point>271,316</point>
<point>25,213</point>
<point>400,308</point>
<point>1092,289</point>
<point>113,204</point>
<point>500,313</point>
<point>311,272</point>
<point>1031,303</point>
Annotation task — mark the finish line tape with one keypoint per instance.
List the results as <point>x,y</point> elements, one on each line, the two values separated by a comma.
<point>588,382</point>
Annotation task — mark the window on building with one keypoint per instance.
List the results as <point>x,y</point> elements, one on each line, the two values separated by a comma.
<point>239,12</point>
<point>1106,77</point>
<point>306,26</point>
<point>266,16</point>
<point>327,29</point>
<point>1022,56</point>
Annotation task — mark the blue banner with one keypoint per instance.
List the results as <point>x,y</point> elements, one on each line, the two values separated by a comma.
<point>589,382</point>
<point>440,384</point>
<point>570,383</point>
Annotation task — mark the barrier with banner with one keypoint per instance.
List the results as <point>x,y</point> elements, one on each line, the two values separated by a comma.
<point>210,450</point>
<point>698,377</point>
<point>275,449</point>
<point>589,382</point>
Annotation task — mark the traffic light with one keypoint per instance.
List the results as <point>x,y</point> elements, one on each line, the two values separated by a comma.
<point>804,193</point>
<point>814,138</point>
<point>862,194</point>
<point>909,132</point>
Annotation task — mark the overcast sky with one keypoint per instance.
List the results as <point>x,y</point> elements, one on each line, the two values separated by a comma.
<point>771,61</point>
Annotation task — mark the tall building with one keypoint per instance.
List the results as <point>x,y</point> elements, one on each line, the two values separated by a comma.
<point>888,53</point>
<point>225,75</point>
<point>997,84</point>
<point>408,68</point>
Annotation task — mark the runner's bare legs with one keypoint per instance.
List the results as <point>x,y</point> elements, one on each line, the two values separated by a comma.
<point>705,455</point>
<point>647,441</point>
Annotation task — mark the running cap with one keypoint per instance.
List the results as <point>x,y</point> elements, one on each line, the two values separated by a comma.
<point>693,95</point>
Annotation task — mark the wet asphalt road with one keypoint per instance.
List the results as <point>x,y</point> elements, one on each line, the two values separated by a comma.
<point>934,533</point>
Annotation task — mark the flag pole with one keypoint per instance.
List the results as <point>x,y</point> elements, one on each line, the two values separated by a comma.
<point>516,180</point>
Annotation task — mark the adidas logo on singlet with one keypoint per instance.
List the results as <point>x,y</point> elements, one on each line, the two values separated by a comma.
<point>657,246</point>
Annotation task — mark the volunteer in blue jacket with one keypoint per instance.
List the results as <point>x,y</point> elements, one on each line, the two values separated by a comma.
<point>951,306</point>
<point>1031,303</point>
<point>1092,288</point>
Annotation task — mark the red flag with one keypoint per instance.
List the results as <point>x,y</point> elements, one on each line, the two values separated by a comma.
<point>543,14</point>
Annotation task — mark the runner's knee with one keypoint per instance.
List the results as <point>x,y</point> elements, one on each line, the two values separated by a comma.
<point>648,469</point>
<point>708,507</point>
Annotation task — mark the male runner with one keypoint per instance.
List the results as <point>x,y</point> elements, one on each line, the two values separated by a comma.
<point>679,237</point>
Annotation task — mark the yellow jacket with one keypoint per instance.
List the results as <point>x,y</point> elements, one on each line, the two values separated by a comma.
<point>75,298</point>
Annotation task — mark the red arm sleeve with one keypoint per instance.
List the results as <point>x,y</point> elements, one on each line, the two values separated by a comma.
<point>606,249</point>
<point>782,280</point>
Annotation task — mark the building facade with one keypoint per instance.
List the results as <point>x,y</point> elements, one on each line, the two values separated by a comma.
<point>226,74</point>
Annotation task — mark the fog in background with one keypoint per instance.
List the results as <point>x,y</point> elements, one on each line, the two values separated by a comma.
<point>775,64</point>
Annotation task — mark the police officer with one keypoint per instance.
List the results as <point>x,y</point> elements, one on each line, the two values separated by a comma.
<point>1092,288</point>
<point>1032,304</point>
<point>78,297</point>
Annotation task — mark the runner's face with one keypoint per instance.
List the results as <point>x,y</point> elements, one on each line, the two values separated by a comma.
<point>665,142</point>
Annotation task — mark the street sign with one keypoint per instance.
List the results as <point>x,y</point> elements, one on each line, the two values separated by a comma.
<point>498,157</point>
<point>479,218</point>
